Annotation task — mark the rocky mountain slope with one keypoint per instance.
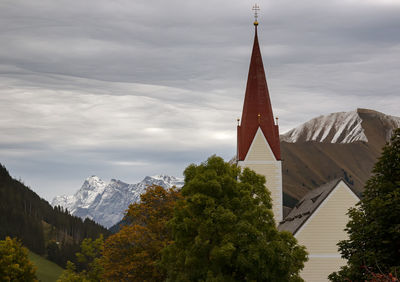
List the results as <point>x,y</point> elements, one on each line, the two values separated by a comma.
<point>106,202</point>
<point>345,144</point>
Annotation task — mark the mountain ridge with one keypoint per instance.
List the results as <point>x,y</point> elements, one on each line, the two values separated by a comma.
<point>106,202</point>
<point>339,127</point>
<point>310,162</point>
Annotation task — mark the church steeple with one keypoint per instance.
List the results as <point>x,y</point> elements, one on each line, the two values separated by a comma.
<point>258,135</point>
<point>257,110</point>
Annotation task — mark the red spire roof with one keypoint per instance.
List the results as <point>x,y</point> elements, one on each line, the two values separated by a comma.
<point>257,110</point>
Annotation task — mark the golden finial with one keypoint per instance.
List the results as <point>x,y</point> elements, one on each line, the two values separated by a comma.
<point>256,8</point>
<point>238,121</point>
<point>277,120</point>
<point>259,118</point>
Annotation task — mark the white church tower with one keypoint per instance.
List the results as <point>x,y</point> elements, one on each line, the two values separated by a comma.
<point>258,146</point>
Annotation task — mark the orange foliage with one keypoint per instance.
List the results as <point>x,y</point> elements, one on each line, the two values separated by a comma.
<point>380,277</point>
<point>376,277</point>
<point>134,252</point>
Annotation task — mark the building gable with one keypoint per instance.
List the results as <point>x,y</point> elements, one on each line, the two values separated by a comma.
<point>318,223</point>
<point>324,228</point>
<point>259,149</point>
<point>307,205</point>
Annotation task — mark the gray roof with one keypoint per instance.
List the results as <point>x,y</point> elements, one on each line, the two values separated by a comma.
<point>307,206</point>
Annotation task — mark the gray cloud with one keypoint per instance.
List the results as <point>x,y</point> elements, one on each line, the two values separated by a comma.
<point>125,89</point>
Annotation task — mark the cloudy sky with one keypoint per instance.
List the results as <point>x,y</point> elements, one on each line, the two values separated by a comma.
<point>128,88</point>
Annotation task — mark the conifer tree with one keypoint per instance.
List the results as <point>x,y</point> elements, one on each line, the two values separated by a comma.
<point>374,226</point>
<point>224,230</point>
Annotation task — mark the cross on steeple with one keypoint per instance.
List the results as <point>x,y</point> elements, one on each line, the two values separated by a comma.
<point>256,8</point>
<point>257,109</point>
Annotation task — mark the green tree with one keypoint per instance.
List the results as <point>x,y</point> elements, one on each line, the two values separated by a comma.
<point>14,262</point>
<point>70,274</point>
<point>374,226</point>
<point>224,230</point>
<point>89,265</point>
<point>133,254</point>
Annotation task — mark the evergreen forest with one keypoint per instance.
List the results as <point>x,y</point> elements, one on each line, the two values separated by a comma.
<point>48,231</point>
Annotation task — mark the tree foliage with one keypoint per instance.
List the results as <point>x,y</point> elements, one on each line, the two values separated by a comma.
<point>133,254</point>
<point>44,229</point>
<point>223,229</point>
<point>88,268</point>
<point>374,225</point>
<point>14,262</point>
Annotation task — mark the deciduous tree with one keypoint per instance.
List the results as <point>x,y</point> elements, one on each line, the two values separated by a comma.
<point>14,262</point>
<point>89,268</point>
<point>224,230</point>
<point>133,254</point>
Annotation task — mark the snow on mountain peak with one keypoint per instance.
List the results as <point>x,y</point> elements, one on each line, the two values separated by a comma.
<point>105,202</point>
<point>342,127</point>
<point>170,180</point>
<point>93,183</point>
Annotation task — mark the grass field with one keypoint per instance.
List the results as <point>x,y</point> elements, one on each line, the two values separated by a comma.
<point>46,271</point>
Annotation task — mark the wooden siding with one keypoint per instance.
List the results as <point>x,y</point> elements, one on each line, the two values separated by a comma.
<point>318,269</point>
<point>260,149</point>
<point>273,176</point>
<point>323,230</point>
<point>261,159</point>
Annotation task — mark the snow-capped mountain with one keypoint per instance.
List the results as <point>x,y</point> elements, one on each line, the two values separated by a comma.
<point>344,144</point>
<point>105,202</point>
<point>342,127</point>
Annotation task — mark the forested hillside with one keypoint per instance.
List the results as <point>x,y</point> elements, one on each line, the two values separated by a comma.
<point>48,231</point>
